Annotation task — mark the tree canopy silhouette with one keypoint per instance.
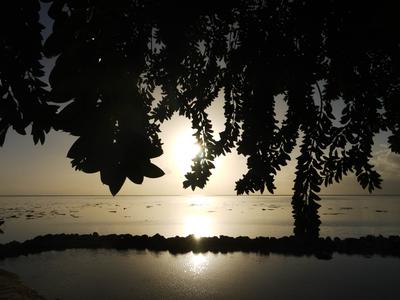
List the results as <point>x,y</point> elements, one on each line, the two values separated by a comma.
<point>111,56</point>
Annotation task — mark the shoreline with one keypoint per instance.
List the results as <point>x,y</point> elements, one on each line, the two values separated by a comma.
<point>11,287</point>
<point>322,248</point>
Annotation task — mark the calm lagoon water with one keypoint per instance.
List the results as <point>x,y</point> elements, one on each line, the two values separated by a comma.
<point>112,274</point>
<point>343,216</point>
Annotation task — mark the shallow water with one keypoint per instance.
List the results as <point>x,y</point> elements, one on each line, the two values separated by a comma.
<point>343,216</point>
<point>112,274</point>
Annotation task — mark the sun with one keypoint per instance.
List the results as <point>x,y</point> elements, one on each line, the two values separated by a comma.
<point>185,149</point>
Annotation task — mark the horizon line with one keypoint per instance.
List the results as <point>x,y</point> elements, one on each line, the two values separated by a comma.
<point>183,195</point>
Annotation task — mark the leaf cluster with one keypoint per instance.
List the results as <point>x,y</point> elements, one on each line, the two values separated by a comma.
<point>23,97</point>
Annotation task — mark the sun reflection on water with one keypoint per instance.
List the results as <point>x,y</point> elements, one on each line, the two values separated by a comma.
<point>197,262</point>
<point>197,222</point>
<point>199,200</point>
<point>198,225</point>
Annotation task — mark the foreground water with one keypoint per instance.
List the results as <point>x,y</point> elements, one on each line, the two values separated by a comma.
<point>111,274</point>
<point>342,216</point>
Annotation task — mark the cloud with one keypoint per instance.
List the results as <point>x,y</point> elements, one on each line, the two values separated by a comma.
<point>387,163</point>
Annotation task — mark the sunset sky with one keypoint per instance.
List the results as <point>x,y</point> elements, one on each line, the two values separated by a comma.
<point>30,169</point>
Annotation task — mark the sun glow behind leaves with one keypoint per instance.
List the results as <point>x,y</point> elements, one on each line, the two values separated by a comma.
<point>185,149</point>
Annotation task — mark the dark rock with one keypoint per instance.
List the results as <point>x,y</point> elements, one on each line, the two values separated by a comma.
<point>322,248</point>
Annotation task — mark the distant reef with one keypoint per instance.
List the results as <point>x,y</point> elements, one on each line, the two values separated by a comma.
<point>322,248</point>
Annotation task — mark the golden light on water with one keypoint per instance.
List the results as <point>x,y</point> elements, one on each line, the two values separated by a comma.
<point>198,222</point>
<point>198,225</point>
<point>199,200</point>
<point>197,262</point>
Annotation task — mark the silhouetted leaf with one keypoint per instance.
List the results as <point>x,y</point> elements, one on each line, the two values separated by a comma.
<point>152,171</point>
<point>114,178</point>
<point>135,176</point>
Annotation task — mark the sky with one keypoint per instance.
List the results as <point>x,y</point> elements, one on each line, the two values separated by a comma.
<point>29,169</point>
<point>44,169</point>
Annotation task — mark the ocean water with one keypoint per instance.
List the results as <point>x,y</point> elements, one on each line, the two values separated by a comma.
<point>130,274</point>
<point>342,216</point>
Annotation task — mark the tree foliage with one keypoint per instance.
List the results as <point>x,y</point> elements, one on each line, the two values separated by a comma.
<point>111,57</point>
<point>23,97</point>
